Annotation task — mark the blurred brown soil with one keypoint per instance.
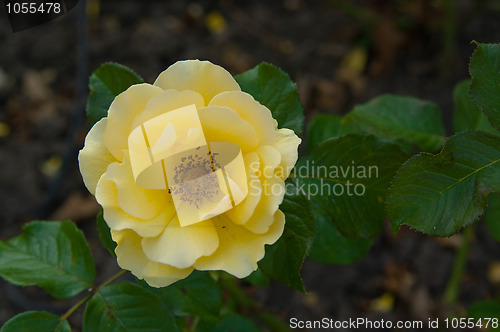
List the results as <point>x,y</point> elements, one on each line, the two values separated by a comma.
<point>340,53</point>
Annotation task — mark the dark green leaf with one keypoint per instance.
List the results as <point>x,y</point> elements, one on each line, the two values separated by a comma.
<point>108,81</point>
<point>440,194</point>
<point>349,177</point>
<point>197,295</point>
<point>52,255</point>
<point>273,88</point>
<point>127,307</point>
<point>467,116</point>
<point>40,321</point>
<point>258,278</point>
<point>322,127</point>
<point>492,216</point>
<point>484,70</point>
<point>105,234</point>
<point>400,119</point>
<point>284,259</point>
<point>229,323</point>
<point>330,246</point>
<point>485,310</point>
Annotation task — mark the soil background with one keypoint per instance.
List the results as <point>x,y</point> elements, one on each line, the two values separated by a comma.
<point>340,53</point>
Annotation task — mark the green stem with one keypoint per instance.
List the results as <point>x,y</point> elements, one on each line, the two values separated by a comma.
<point>453,287</point>
<point>90,294</point>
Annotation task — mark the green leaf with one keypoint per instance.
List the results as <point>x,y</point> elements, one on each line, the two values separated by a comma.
<point>485,309</point>
<point>322,127</point>
<point>439,194</point>
<point>467,116</point>
<point>484,70</point>
<point>284,259</point>
<point>492,216</point>
<point>127,307</point>
<point>52,255</point>
<point>348,177</point>
<point>229,323</point>
<point>258,278</point>
<point>40,321</point>
<point>330,246</point>
<point>108,81</point>
<point>400,119</point>
<point>197,295</point>
<point>105,234</point>
<point>273,88</point>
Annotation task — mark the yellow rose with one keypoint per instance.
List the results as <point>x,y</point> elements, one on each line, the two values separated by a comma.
<point>190,174</point>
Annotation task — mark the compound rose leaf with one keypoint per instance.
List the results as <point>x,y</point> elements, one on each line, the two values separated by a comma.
<point>440,194</point>
<point>348,178</point>
<point>322,127</point>
<point>484,69</point>
<point>284,259</point>
<point>127,307</point>
<point>52,255</point>
<point>405,120</point>
<point>108,81</point>
<point>485,309</point>
<point>105,234</point>
<point>41,321</point>
<point>273,88</point>
<point>330,246</point>
<point>198,295</point>
<point>466,114</point>
<point>230,322</point>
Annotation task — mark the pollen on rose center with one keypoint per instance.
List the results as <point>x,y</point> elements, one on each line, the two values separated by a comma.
<point>170,152</point>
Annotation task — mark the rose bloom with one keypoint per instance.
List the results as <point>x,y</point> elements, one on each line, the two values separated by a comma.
<point>190,174</point>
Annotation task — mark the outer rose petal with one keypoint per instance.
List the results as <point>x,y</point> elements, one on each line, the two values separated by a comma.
<point>126,106</point>
<point>94,158</point>
<point>130,257</point>
<point>273,191</point>
<point>287,143</point>
<point>240,249</point>
<point>138,202</point>
<point>167,101</point>
<point>269,158</point>
<point>222,124</point>
<point>182,246</point>
<point>242,212</point>
<point>117,219</point>
<point>201,76</point>
<point>248,108</point>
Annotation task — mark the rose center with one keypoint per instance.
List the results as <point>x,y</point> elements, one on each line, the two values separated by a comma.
<point>204,179</point>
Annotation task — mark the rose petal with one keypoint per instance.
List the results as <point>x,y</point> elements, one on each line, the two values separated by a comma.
<point>240,249</point>
<point>138,202</point>
<point>243,211</point>
<point>248,108</point>
<point>222,124</point>
<point>287,144</point>
<point>126,106</point>
<point>117,219</point>
<point>94,158</point>
<point>131,257</point>
<point>182,246</point>
<point>273,191</point>
<point>269,158</point>
<point>167,101</point>
<point>201,76</point>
